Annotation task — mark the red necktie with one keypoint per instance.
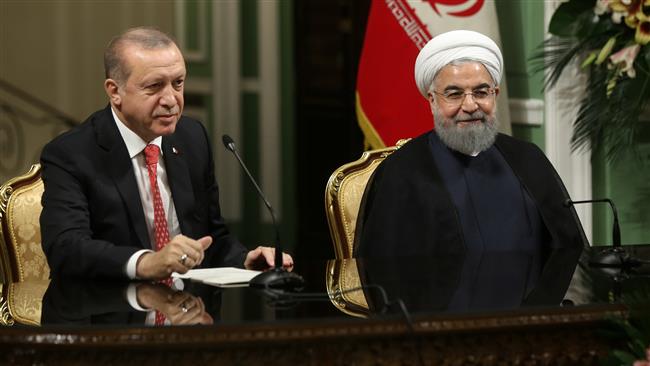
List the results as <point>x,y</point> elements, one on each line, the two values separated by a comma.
<point>151,153</point>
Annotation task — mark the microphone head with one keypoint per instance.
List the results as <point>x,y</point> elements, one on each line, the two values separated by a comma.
<point>567,203</point>
<point>228,142</point>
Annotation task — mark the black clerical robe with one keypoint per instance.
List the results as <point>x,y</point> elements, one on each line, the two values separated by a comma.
<point>408,210</point>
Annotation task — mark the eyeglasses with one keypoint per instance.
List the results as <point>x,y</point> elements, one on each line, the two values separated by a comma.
<point>456,97</point>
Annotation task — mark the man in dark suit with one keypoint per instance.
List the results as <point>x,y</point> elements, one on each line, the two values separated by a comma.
<point>132,191</point>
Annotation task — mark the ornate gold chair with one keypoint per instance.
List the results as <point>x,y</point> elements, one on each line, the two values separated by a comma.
<point>24,269</point>
<point>23,302</point>
<point>344,287</point>
<point>20,208</point>
<point>343,195</point>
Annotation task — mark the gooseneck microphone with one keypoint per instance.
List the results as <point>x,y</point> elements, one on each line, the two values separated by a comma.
<point>277,277</point>
<point>616,228</point>
<point>616,255</point>
<point>230,145</point>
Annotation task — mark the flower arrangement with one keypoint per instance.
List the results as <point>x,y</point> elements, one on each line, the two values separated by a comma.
<point>609,40</point>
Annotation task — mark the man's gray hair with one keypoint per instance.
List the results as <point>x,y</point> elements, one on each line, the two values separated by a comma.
<point>145,37</point>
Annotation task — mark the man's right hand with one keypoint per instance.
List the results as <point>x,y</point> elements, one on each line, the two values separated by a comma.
<point>179,255</point>
<point>180,308</point>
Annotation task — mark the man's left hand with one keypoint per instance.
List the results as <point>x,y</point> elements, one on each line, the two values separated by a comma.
<point>263,258</point>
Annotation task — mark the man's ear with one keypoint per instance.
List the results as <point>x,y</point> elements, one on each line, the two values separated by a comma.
<point>496,91</point>
<point>431,101</point>
<point>112,89</point>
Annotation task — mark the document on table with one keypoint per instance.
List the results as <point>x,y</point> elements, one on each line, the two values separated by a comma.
<point>221,277</point>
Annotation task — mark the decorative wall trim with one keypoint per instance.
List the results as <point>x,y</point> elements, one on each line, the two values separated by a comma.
<point>269,123</point>
<point>180,19</point>
<point>561,107</point>
<point>528,112</point>
<point>250,85</point>
<point>226,102</point>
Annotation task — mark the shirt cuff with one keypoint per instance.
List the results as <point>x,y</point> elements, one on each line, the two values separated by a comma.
<point>131,265</point>
<point>132,297</point>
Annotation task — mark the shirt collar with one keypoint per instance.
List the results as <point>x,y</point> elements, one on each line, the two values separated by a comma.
<point>134,143</point>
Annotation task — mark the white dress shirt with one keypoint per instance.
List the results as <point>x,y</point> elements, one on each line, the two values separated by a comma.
<point>135,145</point>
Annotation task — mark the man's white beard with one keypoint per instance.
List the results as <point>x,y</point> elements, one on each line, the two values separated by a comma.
<point>470,139</point>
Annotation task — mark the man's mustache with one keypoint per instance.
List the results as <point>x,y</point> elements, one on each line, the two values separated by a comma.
<point>167,112</point>
<point>472,117</point>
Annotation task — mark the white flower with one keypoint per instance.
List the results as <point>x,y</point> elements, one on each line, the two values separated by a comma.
<point>602,7</point>
<point>617,16</point>
<point>624,59</point>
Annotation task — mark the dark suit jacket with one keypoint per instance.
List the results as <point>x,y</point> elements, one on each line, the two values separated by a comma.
<point>407,210</point>
<point>92,219</point>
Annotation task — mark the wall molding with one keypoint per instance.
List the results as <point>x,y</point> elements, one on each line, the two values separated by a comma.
<point>561,107</point>
<point>180,19</point>
<point>269,89</point>
<point>250,85</point>
<point>226,102</point>
<point>529,112</point>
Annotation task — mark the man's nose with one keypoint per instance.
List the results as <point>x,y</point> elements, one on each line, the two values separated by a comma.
<point>469,104</point>
<point>168,97</point>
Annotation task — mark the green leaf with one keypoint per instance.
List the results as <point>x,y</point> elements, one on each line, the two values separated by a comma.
<point>589,60</point>
<point>566,19</point>
<point>606,50</point>
<point>637,347</point>
<point>624,357</point>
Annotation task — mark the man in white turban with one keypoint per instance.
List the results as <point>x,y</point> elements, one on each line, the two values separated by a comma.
<point>464,189</point>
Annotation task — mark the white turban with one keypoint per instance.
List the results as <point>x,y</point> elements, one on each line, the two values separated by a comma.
<point>447,47</point>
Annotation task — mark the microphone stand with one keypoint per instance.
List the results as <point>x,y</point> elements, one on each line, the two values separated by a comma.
<point>615,256</point>
<point>277,277</point>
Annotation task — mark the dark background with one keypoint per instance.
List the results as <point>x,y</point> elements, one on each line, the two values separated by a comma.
<point>328,43</point>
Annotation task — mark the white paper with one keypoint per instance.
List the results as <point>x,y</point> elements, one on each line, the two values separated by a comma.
<point>222,276</point>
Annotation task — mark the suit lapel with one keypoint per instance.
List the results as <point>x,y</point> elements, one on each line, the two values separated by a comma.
<point>178,175</point>
<point>118,164</point>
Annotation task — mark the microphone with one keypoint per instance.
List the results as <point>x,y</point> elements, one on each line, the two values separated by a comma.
<point>616,229</point>
<point>277,277</point>
<point>616,255</point>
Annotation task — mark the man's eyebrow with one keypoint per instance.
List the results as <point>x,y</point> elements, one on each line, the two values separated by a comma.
<point>456,87</point>
<point>482,86</point>
<point>452,87</point>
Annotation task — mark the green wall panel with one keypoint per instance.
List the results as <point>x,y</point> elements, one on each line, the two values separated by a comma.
<point>198,68</point>
<point>521,25</point>
<point>249,56</point>
<point>250,146</point>
<point>626,182</point>
<point>534,134</point>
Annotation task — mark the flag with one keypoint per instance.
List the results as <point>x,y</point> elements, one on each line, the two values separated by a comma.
<point>388,104</point>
